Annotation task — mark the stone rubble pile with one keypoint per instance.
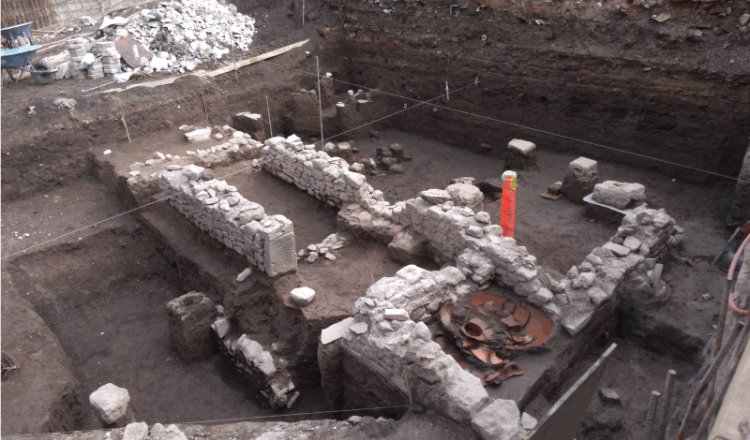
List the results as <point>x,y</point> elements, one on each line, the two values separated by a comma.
<point>186,33</point>
<point>267,241</point>
<point>324,249</point>
<point>400,356</point>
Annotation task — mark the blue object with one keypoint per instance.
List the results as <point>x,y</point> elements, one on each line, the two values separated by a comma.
<point>18,57</point>
<point>19,30</point>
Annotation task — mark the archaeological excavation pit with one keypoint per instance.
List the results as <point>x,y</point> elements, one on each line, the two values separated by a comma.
<point>356,219</point>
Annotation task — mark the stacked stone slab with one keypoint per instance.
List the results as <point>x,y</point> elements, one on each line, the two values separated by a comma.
<point>95,70</point>
<point>268,376</point>
<point>399,354</point>
<point>110,57</point>
<point>77,47</point>
<point>219,209</point>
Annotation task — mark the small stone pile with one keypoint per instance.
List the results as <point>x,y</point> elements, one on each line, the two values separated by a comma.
<point>323,249</point>
<point>392,157</point>
<point>190,32</point>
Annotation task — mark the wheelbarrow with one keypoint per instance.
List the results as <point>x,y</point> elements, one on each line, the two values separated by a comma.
<point>20,58</point>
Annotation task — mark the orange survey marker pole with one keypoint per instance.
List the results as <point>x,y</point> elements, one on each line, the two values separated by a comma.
<point>508,203</point>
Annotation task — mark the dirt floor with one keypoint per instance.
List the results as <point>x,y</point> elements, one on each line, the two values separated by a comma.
<point>105,297</point>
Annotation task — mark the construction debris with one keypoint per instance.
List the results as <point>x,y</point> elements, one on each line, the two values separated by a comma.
<point>187,33</point>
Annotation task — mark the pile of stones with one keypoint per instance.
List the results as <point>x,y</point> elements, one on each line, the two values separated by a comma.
<point>324,249</point>
<point>190,32</point>
<point>392,157</point>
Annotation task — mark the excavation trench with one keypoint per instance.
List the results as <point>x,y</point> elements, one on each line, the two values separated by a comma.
<point>104,295</point>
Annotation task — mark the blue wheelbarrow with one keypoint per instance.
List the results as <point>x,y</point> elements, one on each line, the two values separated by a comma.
<point>19,59</point>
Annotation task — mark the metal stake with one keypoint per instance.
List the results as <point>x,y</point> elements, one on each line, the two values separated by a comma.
<point>270,124</point>
<point>320,99</point>
<point>653,409</point>
<point>127,132</point>
<point>661,433</point>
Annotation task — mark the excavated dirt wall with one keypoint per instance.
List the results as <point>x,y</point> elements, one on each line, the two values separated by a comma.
<point>602,76</point>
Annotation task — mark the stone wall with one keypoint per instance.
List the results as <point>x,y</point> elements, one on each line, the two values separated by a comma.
<point>267,241</point>
<point>645,235</point>
<point>142,177</point>
<point>268,375</point>
<point>328,179</point>
<point>383,337</point>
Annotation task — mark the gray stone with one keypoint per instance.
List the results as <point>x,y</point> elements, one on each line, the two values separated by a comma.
<point>193,172</point>
<point>171,432</point>
<point>632,243</point>
<point>610,396</point>
<point>435,196</point>
<point>312,257</point>
<point>524,147</point>
<point>620,195</point>
<point>744,19</point>
<point>199,135</point>
<point>474,231</point>
<point>483,217</point>
<point>579,181</point>
<point>358,328</point>
<point>244,274</point>
<point>555,188</point>
<point>190,319</point>
<point>500,420</point>
<point>396,314</point>
<point>528,422</point>
<point>302,296</point>
<point>335,331</point>
<point>221,327</point>
<point>617,249</point>
<point>135,431</point>
<point>110,403</point>
<point>464,194</point>
<point>406,247</point>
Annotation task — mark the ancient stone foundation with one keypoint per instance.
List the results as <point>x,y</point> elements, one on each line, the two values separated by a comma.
<point>219,209</point>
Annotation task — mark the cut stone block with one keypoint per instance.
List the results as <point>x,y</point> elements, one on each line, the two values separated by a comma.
<point>199,135</point>
<point>336,331</point>
<point>500,420</point>
<point>617,249</point>
<point>621,195</point>
<point>520,155</point>
<point>190,319</point>
<point>396,314</point>
<point>303,296</point>
<point>135,431</point>
<point>110,403</point>
<point>580,179</point>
